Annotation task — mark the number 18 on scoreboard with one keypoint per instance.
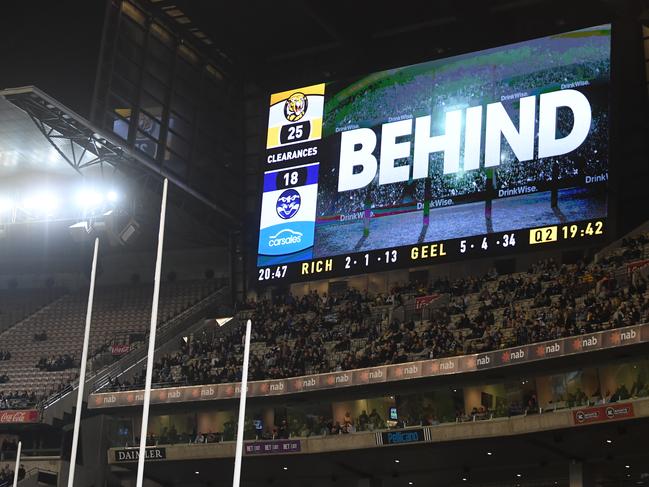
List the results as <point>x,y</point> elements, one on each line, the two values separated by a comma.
<point>288,213</point>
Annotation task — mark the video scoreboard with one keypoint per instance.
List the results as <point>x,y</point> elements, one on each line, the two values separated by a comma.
<point>477,155</point>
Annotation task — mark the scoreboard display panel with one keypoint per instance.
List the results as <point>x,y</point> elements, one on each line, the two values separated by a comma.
<point>481,154</point>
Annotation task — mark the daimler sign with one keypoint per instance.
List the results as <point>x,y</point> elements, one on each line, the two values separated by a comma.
<point>133,454</point>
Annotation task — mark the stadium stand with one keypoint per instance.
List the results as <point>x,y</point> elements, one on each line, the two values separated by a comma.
<point>18,304</point>
<point>315,333</point>
<point>49,359</point>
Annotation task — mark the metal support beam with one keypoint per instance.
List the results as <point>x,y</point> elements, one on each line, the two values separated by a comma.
<point>56,122</point>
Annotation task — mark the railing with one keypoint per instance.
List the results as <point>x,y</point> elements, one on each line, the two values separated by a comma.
<point>238,318</point>
<point>7,455</point>
<point>164,333</point>
<point>36,472</point>
<point>188,440</point>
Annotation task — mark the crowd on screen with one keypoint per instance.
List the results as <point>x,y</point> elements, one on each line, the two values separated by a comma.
<point>487,84</point>
<point>318,333</point>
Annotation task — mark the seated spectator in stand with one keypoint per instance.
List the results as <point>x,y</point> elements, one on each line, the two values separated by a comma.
<point>375,420</point>
<point>6,476</point>
<point>363,420</point>
<point>282,430</point>
<point>532,405</point>
<point>56,362</point>
<point>40,337</point>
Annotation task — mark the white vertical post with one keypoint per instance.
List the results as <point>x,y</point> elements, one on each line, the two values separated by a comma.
<point>152,333</point>
<point>17,467</point>
<point>242,408</point>
<point>82,372</point>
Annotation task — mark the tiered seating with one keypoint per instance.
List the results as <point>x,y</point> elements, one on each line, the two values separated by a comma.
<point>117,311</point>
<point>18,304</point>
<point>313,334</point>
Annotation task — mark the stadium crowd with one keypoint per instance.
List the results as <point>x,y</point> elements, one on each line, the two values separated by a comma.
<point>315,333</point>
<point>7,475</point>
<point>57,362</point>
<point>19,399</point>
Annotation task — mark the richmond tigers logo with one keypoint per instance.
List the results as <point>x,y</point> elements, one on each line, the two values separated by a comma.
<point>296,106</point>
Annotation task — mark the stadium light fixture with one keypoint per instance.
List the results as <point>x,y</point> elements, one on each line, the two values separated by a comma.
<point>410,483</point>
<point>396,460</point>
<point>112,196</point>
<point>44,202</point>
<point>284,468</point>
<point>627,466</point>
<point>196,472</point>
<point>489,453</point>
<point>6,205</point>
<point>519,475</point>
<point>609,441</point>
<point>89,198</point>
<point>464,479</point>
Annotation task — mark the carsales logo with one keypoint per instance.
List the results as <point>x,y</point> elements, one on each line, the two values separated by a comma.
<point>285,237</point>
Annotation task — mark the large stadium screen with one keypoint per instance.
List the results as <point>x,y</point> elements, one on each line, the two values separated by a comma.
<point>480,154</point>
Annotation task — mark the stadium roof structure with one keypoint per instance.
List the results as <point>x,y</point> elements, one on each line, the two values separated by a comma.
<point>43,141</point>
<point>300,41</point>
<point>41,136</point>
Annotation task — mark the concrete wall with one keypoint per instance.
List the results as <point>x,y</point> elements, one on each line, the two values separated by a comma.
<point>445,432</point>
<point>117,268</point>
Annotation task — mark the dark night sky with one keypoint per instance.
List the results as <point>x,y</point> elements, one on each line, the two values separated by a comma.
<point>53,45</point>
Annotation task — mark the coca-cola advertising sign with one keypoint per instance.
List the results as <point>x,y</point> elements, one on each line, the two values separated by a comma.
<point>423,301</point>
<point>19,417</point>
<point>120,349</point>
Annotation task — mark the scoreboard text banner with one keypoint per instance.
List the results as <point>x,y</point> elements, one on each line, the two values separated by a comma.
<point>385,373</point>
